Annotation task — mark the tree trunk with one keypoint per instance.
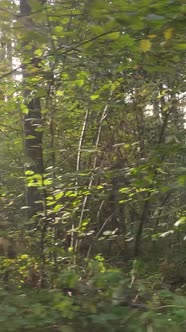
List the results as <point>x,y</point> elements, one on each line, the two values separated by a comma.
<point>32,121</point>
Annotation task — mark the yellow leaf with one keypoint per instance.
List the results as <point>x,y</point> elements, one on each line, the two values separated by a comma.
<point>145,45</point>
<point>168,33</point>
<point>152,36</point>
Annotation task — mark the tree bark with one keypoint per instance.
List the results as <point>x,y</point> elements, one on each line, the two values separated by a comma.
<point>32,121</point>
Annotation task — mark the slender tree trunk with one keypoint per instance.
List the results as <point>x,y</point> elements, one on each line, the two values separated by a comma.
<point>32,121</point>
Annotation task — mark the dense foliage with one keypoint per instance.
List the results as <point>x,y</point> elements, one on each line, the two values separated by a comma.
<point>93,165</point>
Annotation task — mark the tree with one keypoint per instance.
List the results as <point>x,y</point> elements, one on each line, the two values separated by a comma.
<point>33,117</point>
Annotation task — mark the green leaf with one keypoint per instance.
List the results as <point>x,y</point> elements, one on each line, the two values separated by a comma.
<point>59,195</point>
<point>113,35</point>
<point>181,221</point>
<point>59,93</point>
<point>124,190</point>
<point>38,52</point>
<point>59,31</point>
<point>182,180</point>
<point>180,46</point>
<point>29,172</point>
<point>94,97</point>
<point>165,234</point>
<point>57,208</point>
<point>30,137</point>
<point>24,109</point>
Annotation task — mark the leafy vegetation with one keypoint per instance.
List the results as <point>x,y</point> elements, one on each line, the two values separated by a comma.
<point>93,170</point>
